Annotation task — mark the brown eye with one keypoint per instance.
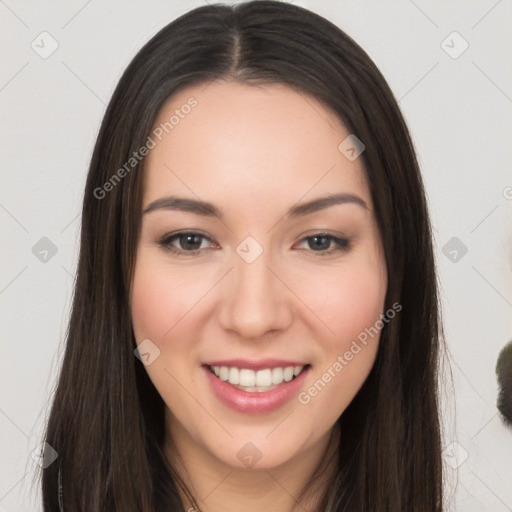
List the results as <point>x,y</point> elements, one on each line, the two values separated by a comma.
<point>322,243</point>
<point>183,242</point>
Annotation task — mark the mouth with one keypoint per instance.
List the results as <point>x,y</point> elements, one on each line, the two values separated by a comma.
<point>255,388</point>
<point>257,381</point>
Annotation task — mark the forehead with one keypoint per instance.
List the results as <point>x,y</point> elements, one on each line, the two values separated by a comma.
<point>249,143</point>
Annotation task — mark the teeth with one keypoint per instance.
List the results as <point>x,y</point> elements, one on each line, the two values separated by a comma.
<point>234,376</point>
<point>261,380</point>
<point>247,378</point>
<point>288,373</point>
<point>277,376</point>
<point>224,373</point>
<point>256,389</point>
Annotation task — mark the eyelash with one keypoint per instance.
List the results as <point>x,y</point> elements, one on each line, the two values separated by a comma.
<point>341,244</point>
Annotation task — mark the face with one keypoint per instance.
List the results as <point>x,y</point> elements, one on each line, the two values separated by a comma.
<point>255,283</point>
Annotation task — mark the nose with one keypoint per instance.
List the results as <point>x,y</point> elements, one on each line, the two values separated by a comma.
<point>255,301</point>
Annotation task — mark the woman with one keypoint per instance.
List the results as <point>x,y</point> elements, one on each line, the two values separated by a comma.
<point>255,321</point>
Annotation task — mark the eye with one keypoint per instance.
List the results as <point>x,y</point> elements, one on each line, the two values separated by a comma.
<point>320,243</point>
<point>191,243</point>
<point>188,242</point>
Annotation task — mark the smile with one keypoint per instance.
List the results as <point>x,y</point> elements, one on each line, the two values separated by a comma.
<point>256,381</point>
<point>265,387</point>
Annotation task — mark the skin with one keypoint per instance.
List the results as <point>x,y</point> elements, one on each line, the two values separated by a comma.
<point>255,151</point>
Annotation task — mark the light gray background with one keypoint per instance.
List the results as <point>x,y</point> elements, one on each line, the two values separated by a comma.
<point>459,111</point>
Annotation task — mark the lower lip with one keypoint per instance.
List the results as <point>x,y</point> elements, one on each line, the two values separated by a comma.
<point>255,402</point>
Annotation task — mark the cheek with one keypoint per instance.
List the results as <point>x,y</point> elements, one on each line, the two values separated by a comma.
<point>150,303</point>
<point>161,297</point>
<point>355,302</point>
<point>352,303</point>
<point>346,299</point>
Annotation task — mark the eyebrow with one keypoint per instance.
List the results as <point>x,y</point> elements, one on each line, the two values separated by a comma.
<point>210,210</point>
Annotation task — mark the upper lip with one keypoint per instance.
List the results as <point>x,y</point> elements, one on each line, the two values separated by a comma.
<point>261,364</point>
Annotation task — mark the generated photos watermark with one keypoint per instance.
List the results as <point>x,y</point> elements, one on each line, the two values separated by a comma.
<point>304,397</point>
<point>137,156</point>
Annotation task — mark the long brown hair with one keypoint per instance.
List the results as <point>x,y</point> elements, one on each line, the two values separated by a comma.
<point>107,419</point>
